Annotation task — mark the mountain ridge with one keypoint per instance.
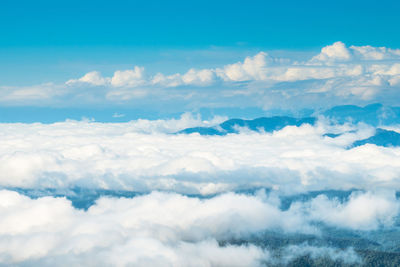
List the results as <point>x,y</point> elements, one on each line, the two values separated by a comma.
<point>267,124</point>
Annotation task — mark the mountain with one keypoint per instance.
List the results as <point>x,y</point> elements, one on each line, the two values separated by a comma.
<point>382,137</point>
<point>374,114</point>
<point>260,124</point>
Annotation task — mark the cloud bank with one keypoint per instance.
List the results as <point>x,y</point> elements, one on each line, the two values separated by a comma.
<point>339,74</point>
<point>167,229</point>
<point>143,156</point>
<point>199,200</point>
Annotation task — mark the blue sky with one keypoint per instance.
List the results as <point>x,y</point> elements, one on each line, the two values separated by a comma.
<point>194,24</point>
<point>45,44</point>
<point>47,34</point>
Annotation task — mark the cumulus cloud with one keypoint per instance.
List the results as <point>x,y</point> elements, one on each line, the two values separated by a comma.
<point>368,52</point>
<point>130,78</point>
<point>93,78</point>
<point>335,52</point>
<point>253,68</point>
<point>155,229</point>
<point>337,74</point>
<point>121,78</point>
<point>340,52</point>
<point>192,77</point>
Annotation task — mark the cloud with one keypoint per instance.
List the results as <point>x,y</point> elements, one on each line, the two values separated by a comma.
<point>118,115</point>
<point>93,78</point>
<point>202,77</point>
<point>121,78</point>
<point>339,52</point>
<point>348,256</point>
<point>142,156</point>
<point>335,52</point>
<point>128,78</point>
<point>48,230</point>
<point>188,213</point>
<point>28,94</point>
<point>160,229</point>
<point>180,227</point>
<point>363,211</point>
<point>253,68</point>
<point>338,74</point>
<point>368,52</point>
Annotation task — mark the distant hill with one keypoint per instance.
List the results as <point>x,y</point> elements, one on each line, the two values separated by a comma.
<point>374,114</point>
<point>261,124</point>
<point>382,137</point>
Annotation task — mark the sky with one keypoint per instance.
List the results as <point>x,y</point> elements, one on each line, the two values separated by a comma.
<point>44,45</point>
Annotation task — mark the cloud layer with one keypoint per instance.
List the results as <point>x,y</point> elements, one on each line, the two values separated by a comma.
<point>142,156</point>
<point>190,211</point>
<point>168,229</point>
<point>338,74</point>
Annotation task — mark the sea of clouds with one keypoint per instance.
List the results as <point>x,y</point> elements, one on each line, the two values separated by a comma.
<point>144,156</point>
<point>169,229</point>
<point>199,200</point>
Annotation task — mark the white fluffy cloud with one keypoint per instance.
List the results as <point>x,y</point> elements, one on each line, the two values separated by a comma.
<point>171,228</point>
<point>192,77</point>
<point>368,52</point>
<point>166,229</point>
<point>335,52</point>
<point>121,78</point>
<point>362,212</point>
<point>334,61</point>
<point>253,68</point>
<point>131,78</point>
<point>140,156</point>
<point>142,231</point>
<point>338,73</point>
<point>340,52</point>
<point>93,78</point>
